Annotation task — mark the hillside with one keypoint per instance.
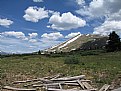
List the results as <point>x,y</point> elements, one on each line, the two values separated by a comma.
<point>84,42</point>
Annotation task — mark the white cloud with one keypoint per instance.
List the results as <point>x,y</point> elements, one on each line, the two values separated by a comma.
<point>115,16</point>
<point>33,35</point>
<point>34,14</point>
<point>37,1</point>
<point>107,27</point>
<point>71,35</point>
<point>10,42</point>
<point>109,10</point>
<point>33,40</point>
<point>54,12</point>
<point>5,22</point>
<point>52,36</point>
<point>19,35</point>
<point>66,21</point>
<point>100,8</point>
<point>112,13</point>
<point>80,2</point>
<point>14,34</point>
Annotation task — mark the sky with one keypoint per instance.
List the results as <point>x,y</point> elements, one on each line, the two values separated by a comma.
<point>32,25</point>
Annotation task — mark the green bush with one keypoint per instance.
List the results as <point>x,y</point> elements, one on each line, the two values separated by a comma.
<point>71,60</point>
<point>86,53</point>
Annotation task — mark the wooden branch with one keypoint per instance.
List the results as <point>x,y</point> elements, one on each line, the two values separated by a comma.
<point>39,85</point>
<point>30,84</point>
<point>85,80</point>
<point>16,82</point>
<point>69,78</point>
<point>52,89</point>
<point>87,85</point>
<point>105,87</point>
<point>46,81</point>
<point>18,89</point>
<point>54,84</point>
<point>49,77</point>
<point>74,81</point>
<point>60,86</point>
<point>81,85</point>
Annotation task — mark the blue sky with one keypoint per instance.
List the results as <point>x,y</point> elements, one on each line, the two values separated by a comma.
<point>32,25</point>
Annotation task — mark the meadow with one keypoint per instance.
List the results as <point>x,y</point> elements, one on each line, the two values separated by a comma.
<point>100,67</point>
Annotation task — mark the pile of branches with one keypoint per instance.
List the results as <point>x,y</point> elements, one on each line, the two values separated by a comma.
<point>55,83</point>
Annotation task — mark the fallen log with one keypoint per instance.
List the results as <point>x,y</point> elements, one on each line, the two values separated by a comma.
<point>38,79</point>
<point>69,78</point>
<point>48,77</point>
<point>75,81</point>
<point>105,87</point>
<point>16,82</point>
<point>18,89</point>
<point>46,81</point>
<point>41,85</point>
<point>87,85</point>
<point>60,86</point>
<point>52,89</point>
<point>81,85</point>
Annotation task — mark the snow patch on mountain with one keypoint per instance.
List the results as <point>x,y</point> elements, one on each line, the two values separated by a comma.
<point>71,40</point>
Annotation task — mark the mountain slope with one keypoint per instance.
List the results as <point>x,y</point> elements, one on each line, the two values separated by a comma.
<point>83,42</point>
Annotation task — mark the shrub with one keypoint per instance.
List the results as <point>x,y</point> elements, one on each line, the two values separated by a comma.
<point>71,60</point>
<point>86,53</point>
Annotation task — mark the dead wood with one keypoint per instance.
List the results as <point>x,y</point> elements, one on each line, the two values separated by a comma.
<point>18,89</point>
<point>69,78</point>
<point>105,87</point>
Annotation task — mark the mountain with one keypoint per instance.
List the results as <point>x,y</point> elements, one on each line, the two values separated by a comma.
<point>83,42</point>
<point>3,53</point>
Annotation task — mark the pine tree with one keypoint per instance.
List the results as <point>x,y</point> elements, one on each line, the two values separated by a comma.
<point>39,52</point>
<point>113,42</point>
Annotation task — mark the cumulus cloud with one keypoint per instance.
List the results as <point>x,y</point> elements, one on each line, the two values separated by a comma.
<point>34,14</point>
<point>100,8</point>
<point>112,12</point>
<point>66,21</point>
<point>52,36</point>
<point>107,27</point>
<point>109,10</point>
<point>71,35</point>
<point>13,34</point>
<point>36,1</point>
<point>33,35</point>
<point>5,22</point>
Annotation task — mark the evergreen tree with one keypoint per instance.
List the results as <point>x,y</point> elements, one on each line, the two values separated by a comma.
<point>39,52</point>
<point>113,42</point>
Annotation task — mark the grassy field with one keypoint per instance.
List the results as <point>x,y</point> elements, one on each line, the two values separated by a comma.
<point>101,68</point>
